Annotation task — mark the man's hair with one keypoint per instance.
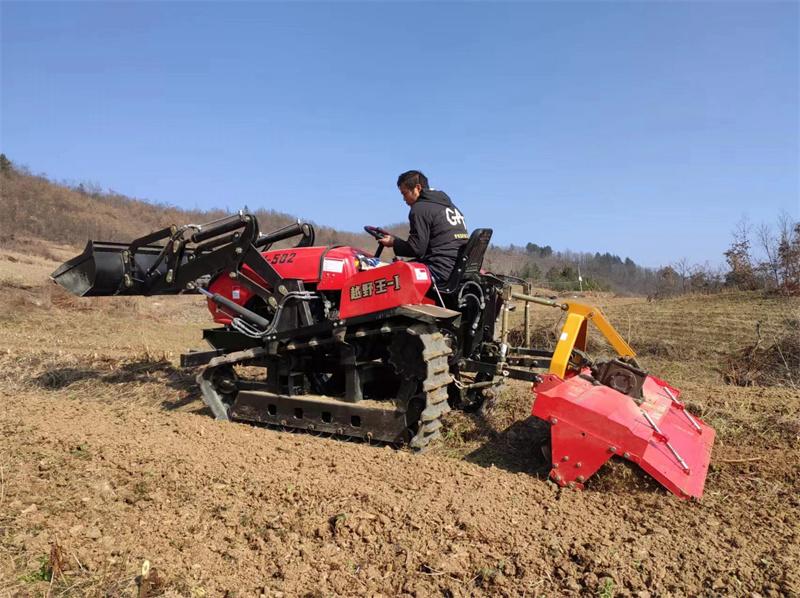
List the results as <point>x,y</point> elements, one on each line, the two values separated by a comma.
<point>411,179</point>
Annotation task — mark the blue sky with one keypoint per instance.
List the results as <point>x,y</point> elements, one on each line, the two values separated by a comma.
<point>644,129</point>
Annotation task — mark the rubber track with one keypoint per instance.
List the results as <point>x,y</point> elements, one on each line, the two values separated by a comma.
<point>435,352</point>
<point>434,385</point>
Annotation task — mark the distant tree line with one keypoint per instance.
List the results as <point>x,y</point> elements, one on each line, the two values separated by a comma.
<point>766,257</point>
<point>571,270</point>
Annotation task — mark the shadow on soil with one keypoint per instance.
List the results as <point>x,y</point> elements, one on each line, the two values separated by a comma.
<point>520,448</point>
<point>524,447</point>
<point>133,374</point>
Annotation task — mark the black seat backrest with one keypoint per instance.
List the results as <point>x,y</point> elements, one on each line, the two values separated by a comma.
<point>470,258</point>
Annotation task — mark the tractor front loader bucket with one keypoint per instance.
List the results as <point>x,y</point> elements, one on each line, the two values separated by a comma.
<point>102,269</point>
<point>163,262</point>
<point>591,423</point>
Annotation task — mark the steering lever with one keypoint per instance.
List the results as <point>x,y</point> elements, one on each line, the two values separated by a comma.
<point>377,233</point>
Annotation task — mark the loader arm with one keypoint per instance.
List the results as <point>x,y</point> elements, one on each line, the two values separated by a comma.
<point>177,260</point>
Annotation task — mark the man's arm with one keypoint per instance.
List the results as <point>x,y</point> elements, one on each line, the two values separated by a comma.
<point>418,237</point>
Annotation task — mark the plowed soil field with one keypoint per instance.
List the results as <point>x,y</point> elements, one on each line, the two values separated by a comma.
<point>110,464</point>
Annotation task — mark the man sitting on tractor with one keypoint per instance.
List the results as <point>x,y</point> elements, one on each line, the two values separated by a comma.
<point>437,228</point>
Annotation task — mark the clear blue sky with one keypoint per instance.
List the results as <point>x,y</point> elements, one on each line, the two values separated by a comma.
<point>644,129</point>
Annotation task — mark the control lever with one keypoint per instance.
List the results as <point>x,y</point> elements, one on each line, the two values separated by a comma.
<point>377,233</point>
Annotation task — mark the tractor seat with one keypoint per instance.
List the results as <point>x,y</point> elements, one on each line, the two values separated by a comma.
<point>469,259</point>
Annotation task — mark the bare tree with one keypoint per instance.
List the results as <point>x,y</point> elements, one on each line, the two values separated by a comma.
<point>769,245</point>
<point>789,256</point>
<point>684,270</point>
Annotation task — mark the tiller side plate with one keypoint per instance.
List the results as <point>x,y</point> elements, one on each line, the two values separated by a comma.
<point>590,423</point>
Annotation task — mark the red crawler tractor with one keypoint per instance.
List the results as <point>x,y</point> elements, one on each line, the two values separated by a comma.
<point>351,345</point>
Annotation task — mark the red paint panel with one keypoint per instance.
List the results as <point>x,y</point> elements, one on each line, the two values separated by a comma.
<point>338,266</point>
<point>300,263</point>
<point>399,283</point>
<point>591,423</point>
<point>330,269</point>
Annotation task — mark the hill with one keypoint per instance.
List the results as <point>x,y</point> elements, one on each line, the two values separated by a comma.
<point>34,207</point>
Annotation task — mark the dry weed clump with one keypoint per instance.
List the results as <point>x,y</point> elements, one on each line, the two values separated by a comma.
<point>19,299</point>
<point>656,348</point>
<point>543,337</point>
<point>14,283</point>
<point>31,246</point>
<point>59,298</point>
<point>775,364</point>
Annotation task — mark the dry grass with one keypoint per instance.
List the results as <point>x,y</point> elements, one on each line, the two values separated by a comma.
<point>685,338</point>
<point>777,364</point>
<point>45,318</point>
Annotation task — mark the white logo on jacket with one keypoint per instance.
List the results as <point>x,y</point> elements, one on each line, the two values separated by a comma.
<point>454,217</point>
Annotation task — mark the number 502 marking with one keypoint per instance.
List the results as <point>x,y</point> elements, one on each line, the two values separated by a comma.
<point>282,258</point>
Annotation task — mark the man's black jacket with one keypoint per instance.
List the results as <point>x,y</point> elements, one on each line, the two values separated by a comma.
<point>437,231</point>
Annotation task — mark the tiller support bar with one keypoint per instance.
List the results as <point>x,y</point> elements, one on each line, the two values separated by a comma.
<point>592,422</point>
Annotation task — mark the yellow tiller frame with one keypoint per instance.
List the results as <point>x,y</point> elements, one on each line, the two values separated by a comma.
<point>574,335</point>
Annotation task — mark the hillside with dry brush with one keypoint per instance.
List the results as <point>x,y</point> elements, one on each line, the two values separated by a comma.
<point>33,207</point>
